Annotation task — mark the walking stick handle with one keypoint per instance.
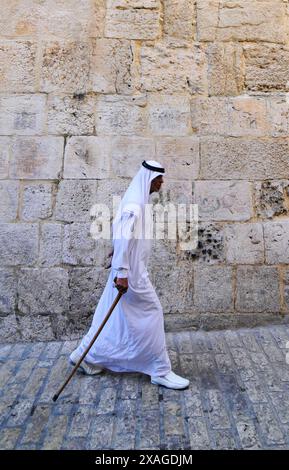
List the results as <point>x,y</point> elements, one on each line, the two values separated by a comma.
<point>89,346</point>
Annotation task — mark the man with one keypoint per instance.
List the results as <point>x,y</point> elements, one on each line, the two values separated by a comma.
<point>133,339</point>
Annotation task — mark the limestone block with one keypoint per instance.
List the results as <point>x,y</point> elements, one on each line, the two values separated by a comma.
<point>179,18</point>
<point>128,153</point>
<point>4,157</point>
<point>266,67</point>
<point>43,291</point>
<point>169,115</point>
<point>286,288</point>
<point>210,245</point>
<point>174,286</point>
<point>22,114</point>
<point>35,328</point>
<point>86,286</point>
<point>257,289</point>
<point>36,201</point>
<point>242,20</point>
<point>244,159</point>
<point>8,290</point>
<point>18,244</point>
<point>111,69</point>
<point>243,116</point>
<point>132,20</point>
<point>50,251</point>
<point>80,248</point>
<point>168,67</point>
<point>180,157</point>
<point>9,191</point>
<point>174,192</point>
<point>213,291</point>
<point>121,115</point>
<point>17,66</point>
<point>71,114</point>
<point>110,188</point>
<point>225,69</point>
<point>74,200</point>
<point>31,17</point>
<point>9,330</point>
<point>223,200</point>
<point>65,66</point>
<point>244,243</point>
<point>276,236</point>
<point>270,199</point>
<point>87,157</point>
<point>36,157</point>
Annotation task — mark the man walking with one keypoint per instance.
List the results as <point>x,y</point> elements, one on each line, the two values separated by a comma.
<point>133,339</point>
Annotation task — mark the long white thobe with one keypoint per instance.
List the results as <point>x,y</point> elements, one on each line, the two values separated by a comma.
<point>133,339</point>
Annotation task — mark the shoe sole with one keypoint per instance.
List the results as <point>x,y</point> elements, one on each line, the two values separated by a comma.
<point>81,369</point>
<point>167,386</point>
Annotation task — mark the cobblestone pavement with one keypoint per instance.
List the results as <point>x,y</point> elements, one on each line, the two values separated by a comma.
<point>238,397</point>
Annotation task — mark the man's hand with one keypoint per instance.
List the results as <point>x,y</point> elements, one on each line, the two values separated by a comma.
<point>121,283</point>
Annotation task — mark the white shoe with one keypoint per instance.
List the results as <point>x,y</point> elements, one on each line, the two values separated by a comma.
<point>171,380</point>
<point>85,367</point>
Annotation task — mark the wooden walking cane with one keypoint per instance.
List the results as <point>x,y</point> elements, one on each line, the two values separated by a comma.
<point>90,344</point>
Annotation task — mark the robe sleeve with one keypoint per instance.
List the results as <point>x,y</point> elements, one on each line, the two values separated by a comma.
<point>122,245</point>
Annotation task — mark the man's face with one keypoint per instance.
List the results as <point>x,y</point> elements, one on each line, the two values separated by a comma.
<point>156,184</point>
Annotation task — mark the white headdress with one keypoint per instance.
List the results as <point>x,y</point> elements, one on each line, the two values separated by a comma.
<point>137,194</point>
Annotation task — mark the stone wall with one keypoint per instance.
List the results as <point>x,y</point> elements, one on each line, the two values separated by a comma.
<point>89,88</point>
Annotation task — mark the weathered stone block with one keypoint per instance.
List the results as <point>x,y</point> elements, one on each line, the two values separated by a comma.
<point>86,286</point>
<point>257,289</point>
<point>132,20</point>
<point>169,115</point>
<point>65,67</point>
<point>9,191</point>
<point>39,18</point>
<point>286,288</point>
<point>175,296</point>
<point>243,20</point>
<point>121,115</point>
<point>9,330</point>
<point>213,290</point>
<point>127,154</point>
<point>71,114</point>
<point>107,189</point>
<point>270,199</point>
<point>210,245</point>
<point>22,114</point>
<point>223,200</point>
<point>244,243</point>
<point>50,252</point>
<point>80,248</point>
<point>8,289</point>
<point>266,67</point>
<point>180,157</point>
<point>111,69</point>
<point>35,327</point>
<point>87,157</point>
<point>244,159</point>
<point>276,236</point>
<point>43,291</point>
<point>4,157</point>
<point>17,66</point>
<point>18,244</point>
<point>185,68</point>
<point>243,116</point>
<point>36,157</point>
<point>180,18</point>
<point>225,69</point>
<point>37,201</point>
<point>74,200</point>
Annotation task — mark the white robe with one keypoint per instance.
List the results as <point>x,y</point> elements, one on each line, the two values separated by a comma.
<point>133,339</point>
